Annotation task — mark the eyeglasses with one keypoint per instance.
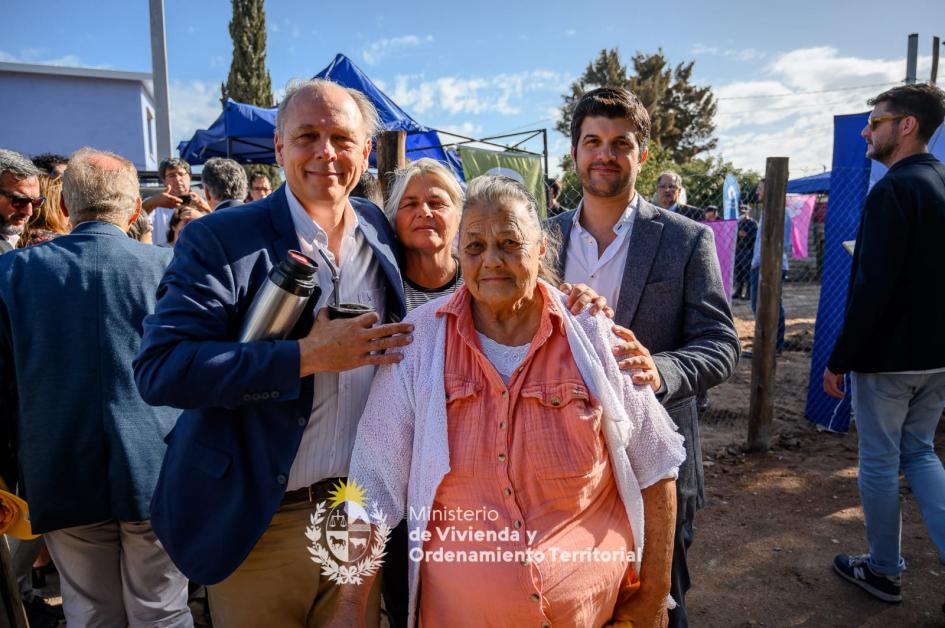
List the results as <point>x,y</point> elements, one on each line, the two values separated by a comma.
<point>668,187</point>
<point>18,201</point>
<point>262,189</point>
<point>872,122</point>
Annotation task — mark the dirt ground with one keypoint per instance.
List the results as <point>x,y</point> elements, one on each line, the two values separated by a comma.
<point>773,522</point>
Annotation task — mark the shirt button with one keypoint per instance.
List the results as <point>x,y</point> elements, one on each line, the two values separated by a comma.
<point>518,524</point>
<point>534,597</point>
<point>281,479</point>
<point>507,491</point>
<point>525,562</point>
<point>546,625</point>
<point>274,394</point>
<point>556,401</point>
<point>505,393</point>
<point>247,397</point>
<point>502,425</point>
<point>302,421</point>
<point>502,457</point>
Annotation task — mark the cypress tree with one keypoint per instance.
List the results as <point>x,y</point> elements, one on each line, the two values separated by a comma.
<point>248,81</point>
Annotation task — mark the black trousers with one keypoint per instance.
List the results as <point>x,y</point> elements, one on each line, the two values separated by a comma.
<point>394,585</point>
<point>680,582</point>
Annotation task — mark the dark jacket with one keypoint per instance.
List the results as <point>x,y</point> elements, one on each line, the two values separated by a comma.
<point>245,407</point>
<point>71,309</point>
<point>690,212</point>
<point>895,301</point>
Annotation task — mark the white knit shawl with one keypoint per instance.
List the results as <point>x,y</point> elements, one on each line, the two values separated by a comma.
<point>401,452</point>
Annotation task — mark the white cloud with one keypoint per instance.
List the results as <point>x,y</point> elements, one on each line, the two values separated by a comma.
<point>570,32</point>
<point>789,109</point>
<point>40,56</point>
<point>381,48</point>
<point>739,54</point>
<point>464,129</point>
<point>504,94</point>
<point>194,105</point>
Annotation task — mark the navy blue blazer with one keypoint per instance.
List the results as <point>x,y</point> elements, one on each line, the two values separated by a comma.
<point>245,407</point>
<point>71,311</point>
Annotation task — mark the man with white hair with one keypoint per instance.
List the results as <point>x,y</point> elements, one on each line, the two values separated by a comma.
<point>88,447</point>
<point>269,425</point>
<point>669,196</point>
<point>224,182</point>
<point>19,196</point>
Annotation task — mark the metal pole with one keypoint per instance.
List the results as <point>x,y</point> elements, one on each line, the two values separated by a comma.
<point>544,141</point>
<point>162,107</point>
<point>935,46</point>
<point>912,58</point>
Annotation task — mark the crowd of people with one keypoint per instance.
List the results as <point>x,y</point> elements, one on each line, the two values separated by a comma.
<point>545,373</point>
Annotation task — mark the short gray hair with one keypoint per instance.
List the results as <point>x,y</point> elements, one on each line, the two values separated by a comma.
<point>404,176</point>
<point>94,191</point>
<point>19,166</point>
<point>372,122</point>
<point>224,178</point>
<point>672,175</point>
<point>499,191</point>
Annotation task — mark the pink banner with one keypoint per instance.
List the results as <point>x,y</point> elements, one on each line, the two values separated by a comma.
<point>726,232</point>
<point>799,207</point>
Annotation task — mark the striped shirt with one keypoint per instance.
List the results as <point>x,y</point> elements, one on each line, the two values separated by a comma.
<point>418,295</point>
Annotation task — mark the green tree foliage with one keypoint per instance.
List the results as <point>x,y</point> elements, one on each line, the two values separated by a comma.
<point>249,81</point>
<point>681,113</point>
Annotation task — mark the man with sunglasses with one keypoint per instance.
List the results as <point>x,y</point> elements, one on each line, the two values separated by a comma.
<point>892,343</point>
<point>19,196</point>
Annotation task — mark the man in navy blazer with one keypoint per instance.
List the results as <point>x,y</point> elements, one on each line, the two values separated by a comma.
<point>269,426</point>
<point>88,447</point>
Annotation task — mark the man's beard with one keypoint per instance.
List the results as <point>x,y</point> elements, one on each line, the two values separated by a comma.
<point>607,189</point>
<point>880,152</point>
<point>7,230</point>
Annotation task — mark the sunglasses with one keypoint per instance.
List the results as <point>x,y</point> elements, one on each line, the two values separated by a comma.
<point>18,201</point>
<point>872,122</point>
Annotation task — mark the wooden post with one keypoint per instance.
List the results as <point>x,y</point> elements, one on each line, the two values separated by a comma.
<point>761,406</point>
<point>12,614</point>
<point>391,155</point>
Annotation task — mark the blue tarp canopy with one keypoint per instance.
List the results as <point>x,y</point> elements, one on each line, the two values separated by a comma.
<point>814,184</point>
<point>244,132</point>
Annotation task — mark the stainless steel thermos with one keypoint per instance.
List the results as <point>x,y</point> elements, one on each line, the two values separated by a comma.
<point>280,301</point>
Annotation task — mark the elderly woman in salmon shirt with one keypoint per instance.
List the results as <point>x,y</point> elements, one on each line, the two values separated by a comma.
<point>531,470</point>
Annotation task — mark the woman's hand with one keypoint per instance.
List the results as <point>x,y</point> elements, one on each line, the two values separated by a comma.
<point>635,358</point>
<point>580,296</point>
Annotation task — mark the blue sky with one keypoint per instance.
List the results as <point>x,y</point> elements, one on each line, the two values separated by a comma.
<point>489,67</point>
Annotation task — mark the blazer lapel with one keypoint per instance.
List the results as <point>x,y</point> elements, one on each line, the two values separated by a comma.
<point>644,242</point>
<point>287,238</point>
<point>562,224</point>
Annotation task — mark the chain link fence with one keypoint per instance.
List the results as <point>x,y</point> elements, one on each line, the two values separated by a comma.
<point>813,290</point>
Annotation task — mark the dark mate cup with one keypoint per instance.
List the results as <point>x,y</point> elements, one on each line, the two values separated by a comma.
<point>348,310</point>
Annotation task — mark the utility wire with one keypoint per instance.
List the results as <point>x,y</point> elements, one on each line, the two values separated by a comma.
<point>819,91</point>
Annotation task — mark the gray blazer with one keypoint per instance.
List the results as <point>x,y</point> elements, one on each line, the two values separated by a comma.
<point>672,299</point>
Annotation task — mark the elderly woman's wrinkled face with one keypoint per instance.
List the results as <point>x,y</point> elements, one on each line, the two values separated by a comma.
<point>499,254</point>
<point>426,219</point>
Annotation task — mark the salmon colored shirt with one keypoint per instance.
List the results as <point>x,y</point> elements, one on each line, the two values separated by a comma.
<point>528,457</point>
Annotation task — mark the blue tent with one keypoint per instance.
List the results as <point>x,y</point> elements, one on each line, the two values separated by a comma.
<point>244,132</point>
<point>814,184</point>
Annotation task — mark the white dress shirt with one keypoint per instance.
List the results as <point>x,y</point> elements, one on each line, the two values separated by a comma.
<point>603,273</point>
<point>328,439</point>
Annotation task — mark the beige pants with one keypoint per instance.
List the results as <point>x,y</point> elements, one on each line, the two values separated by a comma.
<point>278,584</point>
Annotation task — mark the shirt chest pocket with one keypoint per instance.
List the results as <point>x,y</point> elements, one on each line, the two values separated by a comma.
<point>463,401</point>
<point>563,430</point>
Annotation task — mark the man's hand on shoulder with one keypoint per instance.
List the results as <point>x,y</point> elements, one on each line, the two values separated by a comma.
<point>632,356</point>
<point>345,344</point>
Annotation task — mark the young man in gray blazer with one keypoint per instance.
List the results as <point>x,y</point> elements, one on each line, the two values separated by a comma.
<point>660,272</point>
